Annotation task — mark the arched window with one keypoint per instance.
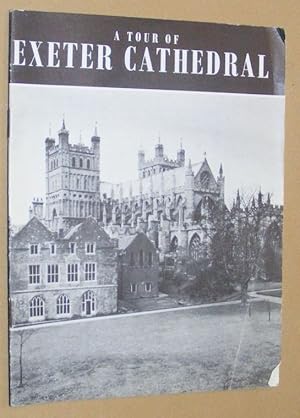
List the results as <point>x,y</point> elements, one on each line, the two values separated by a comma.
<point>195,247</point>
<point>88,164</point>
<point>37,308</point>
<point>204,208</point>
<point>62,305</point>
<point>141,258</point>
<point>204,179</point>
<point>73,162</point>
<point>88,303</point>
<point>174,245</point>
<point>81,163</point>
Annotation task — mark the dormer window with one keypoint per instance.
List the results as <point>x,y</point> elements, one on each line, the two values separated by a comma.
<point>34,249</point>
<point>90,248</point>
<point>72,247</point>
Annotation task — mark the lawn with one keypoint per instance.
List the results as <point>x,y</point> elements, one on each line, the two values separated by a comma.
<point>166,352</point>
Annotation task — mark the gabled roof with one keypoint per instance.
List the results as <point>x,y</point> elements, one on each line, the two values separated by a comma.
<point>205,167</point>
<point>88,227</point>
<point>33,226</point>
<point>72,231</point>
<point>126,240</point>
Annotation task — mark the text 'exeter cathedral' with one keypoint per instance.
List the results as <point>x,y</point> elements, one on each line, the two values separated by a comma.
<point>168,200</point>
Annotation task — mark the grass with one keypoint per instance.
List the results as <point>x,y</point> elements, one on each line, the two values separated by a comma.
<point>168,352</point>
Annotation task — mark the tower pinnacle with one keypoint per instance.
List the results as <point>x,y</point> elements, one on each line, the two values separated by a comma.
<point>221,170</point>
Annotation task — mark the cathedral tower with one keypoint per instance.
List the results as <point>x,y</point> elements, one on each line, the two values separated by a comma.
<point>72,180</point>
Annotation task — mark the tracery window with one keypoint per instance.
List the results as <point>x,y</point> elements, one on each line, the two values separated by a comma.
<point>195,247</point>
<point>204,179</point>
<point>63,305</point>
<point>36,307</point>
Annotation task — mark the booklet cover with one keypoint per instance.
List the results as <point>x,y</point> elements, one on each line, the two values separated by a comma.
<point>145,206</point>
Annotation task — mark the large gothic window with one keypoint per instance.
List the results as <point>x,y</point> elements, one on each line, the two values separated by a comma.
<point>204,179</point>
<point>195,247</point>
<point>174,244</point>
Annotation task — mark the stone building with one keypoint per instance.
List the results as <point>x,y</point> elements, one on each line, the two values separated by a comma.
<point>170,200</point>
<point>138,267</point>
<point>61,276</point>
<point>72,180</point>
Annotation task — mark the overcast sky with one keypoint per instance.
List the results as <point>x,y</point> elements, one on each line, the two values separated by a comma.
<point>244,132</point>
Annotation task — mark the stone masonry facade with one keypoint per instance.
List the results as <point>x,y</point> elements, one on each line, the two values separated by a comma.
<point>65,277</point>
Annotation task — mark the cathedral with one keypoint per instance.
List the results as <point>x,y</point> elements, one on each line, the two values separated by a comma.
<point>169,199</point>
<point>166,201</point>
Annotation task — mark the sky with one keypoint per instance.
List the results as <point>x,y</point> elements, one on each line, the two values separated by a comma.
<point>243,132</point>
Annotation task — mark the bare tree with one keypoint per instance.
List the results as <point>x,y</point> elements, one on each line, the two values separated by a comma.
<point>24,336</point>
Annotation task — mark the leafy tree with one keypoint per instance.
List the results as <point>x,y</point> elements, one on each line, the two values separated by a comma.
<point>236,240</point>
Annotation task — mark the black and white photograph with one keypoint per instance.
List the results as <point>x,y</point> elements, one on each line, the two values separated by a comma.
<point>145,241</point>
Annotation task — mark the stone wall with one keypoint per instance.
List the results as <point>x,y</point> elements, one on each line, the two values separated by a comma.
<point>105,297</point>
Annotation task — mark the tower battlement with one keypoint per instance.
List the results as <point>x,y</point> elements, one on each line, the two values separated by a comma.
<point>160,162</point>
